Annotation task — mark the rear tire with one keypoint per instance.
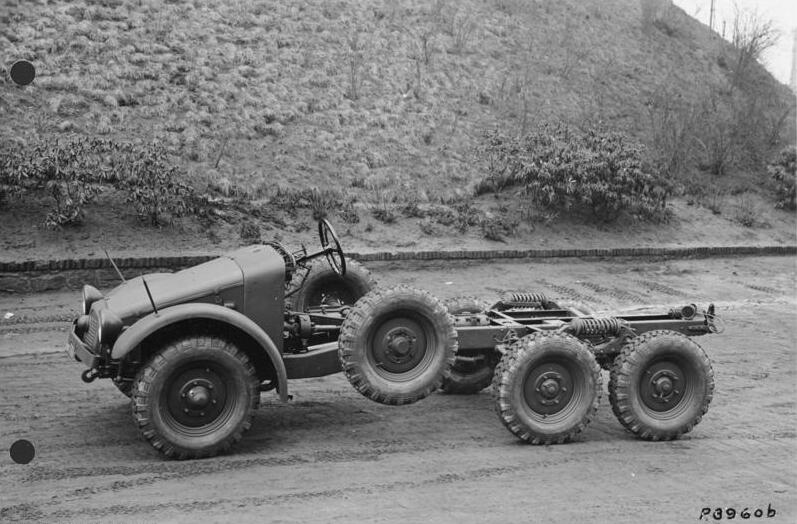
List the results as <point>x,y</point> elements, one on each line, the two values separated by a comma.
<point>547,388</point>
<point>468,377</point>
<point>661,385</point>
<point>396,345</point>
<point>323,286</point>
<point>195,397</point>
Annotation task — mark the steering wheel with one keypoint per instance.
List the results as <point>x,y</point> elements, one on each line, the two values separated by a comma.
<point>334,254</point>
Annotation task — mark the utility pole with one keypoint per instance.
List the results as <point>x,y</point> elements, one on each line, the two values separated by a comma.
<point>711,16</point>
<point>793,80</point>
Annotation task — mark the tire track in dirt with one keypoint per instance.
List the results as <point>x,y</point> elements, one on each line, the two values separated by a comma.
<point>33,327</point>
<point>764,289</point>
<point>658,287</point>
<point>614,292</point>
<point>571,293</point>
<point>186,468</point>
<point>38,319</point>
<point>303,496</point>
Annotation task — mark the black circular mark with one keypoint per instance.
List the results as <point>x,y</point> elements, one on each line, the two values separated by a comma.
<point>22,72</point>
<point>22,451</point>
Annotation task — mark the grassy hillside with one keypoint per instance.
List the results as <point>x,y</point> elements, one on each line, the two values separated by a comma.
<point>379,100</point>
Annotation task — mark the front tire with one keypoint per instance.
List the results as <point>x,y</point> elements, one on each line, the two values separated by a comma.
<point>396,345</point>
<point>661,385</point>
<point>547,388</point>
<point>195,397</point>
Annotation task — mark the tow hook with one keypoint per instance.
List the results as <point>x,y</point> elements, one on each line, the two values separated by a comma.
<point>90,375</point>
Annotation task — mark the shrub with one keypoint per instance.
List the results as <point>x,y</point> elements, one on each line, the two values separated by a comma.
<point>383,204</point>
<point>713,199</point>
<point>348,213</point>
<point>784,171</point>
<point>319,201</point>
<point>563,169</point>
<point>413,210</point>
<point>746,212</point>
<point>466,216</point>
<point>70,172</point>
<point>496,228</point>
<point>250,232</point>
<point>73,171</point>
<point>428,227</point>
<point>153,186</point>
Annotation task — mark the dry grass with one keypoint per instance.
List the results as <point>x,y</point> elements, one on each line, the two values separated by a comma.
<point>251,94</point>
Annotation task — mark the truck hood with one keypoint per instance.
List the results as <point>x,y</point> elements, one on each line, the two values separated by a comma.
<point>129,299</point>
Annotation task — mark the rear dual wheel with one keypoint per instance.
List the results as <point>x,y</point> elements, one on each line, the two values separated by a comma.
<point>661,385</point>
<point>547,388</point>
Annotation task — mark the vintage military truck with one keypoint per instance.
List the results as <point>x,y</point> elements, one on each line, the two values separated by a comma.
<point>194,349</point>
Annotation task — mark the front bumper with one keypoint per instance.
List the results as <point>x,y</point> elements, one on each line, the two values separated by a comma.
<point>78,350</point>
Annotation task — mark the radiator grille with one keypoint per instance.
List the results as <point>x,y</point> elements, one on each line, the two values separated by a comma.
<point>90,339</point>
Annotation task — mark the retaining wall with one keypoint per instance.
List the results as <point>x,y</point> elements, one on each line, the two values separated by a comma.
<point>49,275</point>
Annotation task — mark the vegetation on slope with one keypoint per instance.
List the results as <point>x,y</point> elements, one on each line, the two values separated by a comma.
<point>385,105</point>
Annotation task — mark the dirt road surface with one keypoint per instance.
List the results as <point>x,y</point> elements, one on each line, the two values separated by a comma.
<point>331,455</point>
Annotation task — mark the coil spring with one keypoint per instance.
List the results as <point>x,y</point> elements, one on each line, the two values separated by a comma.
<point>596,326</point>
<point>525,298</point>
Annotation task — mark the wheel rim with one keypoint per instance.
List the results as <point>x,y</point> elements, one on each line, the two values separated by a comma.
<point>552,390</point>
<point>665,386</point>
<point>400,347</point>
<point>199,399</point>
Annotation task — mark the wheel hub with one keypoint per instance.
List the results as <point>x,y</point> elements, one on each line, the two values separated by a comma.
<point>400,342</point>
<point>662,386</point>
<point>398,345</point>
<point>548,388</point>
<point>197,397</point>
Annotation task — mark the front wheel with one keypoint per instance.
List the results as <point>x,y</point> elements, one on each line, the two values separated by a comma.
<point>396,345</point>
<point>547,388</point>
<point>195,397</point>
<point>661,385</point>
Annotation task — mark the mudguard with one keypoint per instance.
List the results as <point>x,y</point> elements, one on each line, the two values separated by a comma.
<point>135,334</point>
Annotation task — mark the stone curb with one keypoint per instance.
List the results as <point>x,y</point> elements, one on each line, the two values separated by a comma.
<point>185,261</point>
<point>48,275</point>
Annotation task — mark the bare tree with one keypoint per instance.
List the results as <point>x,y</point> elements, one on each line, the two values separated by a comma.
<point>752,35</point>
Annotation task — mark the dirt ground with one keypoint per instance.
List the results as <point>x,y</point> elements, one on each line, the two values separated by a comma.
<point>331,455</point>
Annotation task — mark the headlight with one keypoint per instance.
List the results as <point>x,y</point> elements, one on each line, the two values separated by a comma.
<point>82,325</point>
<point>109,327</point>
<point>90,295</point>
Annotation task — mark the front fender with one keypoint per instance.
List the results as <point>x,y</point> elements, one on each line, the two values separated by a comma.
<point>135,334</point>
